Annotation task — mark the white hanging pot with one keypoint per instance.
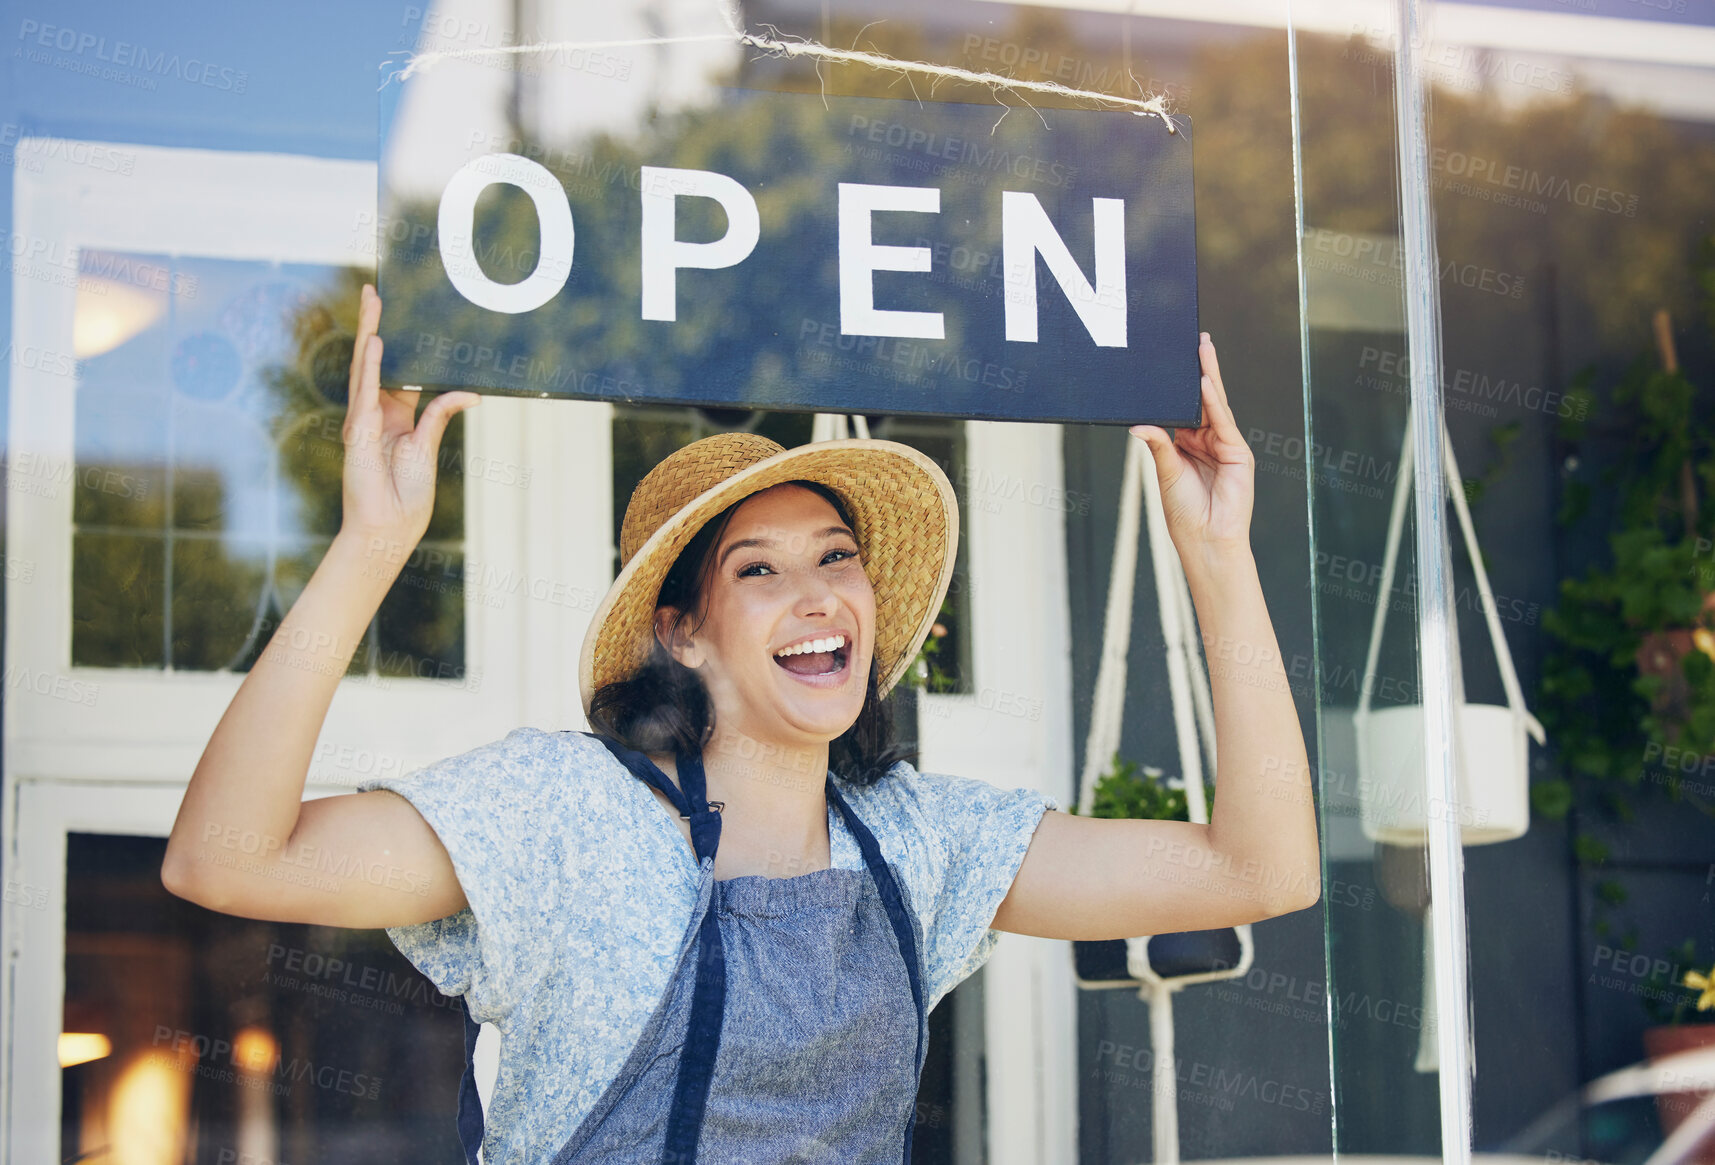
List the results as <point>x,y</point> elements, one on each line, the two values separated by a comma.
<point>1492,802</point>
<point>1492,766</point>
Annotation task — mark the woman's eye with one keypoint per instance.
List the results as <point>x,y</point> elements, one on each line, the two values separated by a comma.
<point>754,570</point>
<point>837,556</point>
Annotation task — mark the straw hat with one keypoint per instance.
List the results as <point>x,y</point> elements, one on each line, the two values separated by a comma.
<point>901,503</point>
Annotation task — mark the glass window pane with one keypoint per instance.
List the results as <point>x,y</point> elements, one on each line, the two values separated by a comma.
<point>209,463</point>
<point>219,600</point>
<point>118,599</point>
<point>418,631</point>
<point>1365,668</point>
<point>1573,218</point>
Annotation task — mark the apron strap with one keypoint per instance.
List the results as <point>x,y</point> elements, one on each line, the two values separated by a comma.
<point>470,1101</point>
<point>704,815</point>
<point>894,902</point>
<point>702,1042</point>
<point>708,995</point>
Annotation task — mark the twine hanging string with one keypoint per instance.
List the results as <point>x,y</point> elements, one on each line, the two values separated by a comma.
<point>777,45</point>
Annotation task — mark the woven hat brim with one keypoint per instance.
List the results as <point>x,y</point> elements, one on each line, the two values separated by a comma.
<point>907,522</point>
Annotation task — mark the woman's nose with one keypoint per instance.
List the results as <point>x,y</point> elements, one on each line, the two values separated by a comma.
<point>815,594</point>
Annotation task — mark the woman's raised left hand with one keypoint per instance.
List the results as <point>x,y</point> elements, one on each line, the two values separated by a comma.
<point>1207,474</point>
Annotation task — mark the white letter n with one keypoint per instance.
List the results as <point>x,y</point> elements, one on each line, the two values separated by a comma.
<point>1026,232</point>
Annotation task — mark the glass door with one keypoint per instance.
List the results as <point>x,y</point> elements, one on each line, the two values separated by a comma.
<point>1569,157</point>
<point>1529,274</point>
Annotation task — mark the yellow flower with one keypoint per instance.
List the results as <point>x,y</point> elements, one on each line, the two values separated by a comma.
<point>1698,981</point>
<point>1705,641</point>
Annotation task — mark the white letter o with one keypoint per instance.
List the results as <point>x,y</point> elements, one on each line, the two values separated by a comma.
<point>457,223</point>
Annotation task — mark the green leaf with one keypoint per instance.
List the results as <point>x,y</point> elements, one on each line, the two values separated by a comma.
<point>1588,850</point>
<point>1552,799</point>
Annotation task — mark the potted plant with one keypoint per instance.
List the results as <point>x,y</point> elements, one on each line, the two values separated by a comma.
<point>1682,1004</point>
<point>1127,790</point>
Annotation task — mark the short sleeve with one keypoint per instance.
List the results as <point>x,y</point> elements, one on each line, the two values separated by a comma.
<point>501,811</point>
<point>982,831</point>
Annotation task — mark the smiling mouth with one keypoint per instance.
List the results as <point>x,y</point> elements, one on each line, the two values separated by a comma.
<point>817,657</point>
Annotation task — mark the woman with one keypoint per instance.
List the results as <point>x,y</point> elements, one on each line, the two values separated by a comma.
<point>755,988</point>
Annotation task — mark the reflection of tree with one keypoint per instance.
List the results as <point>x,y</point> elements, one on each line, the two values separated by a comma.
<point>421,622</point>
<point>1623,191</point>
<point>118,591</point>
<point>118,600</point>
<point>222,600</point>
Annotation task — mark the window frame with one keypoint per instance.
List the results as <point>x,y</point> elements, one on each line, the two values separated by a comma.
<point>151,724</point>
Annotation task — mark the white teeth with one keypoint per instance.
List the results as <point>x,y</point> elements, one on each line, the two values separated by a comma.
<point>831,643</point>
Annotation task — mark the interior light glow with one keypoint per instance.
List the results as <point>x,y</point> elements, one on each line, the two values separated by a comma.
<point>82,1047</point>
<point>255,1049</point>
<point>148,1115</point>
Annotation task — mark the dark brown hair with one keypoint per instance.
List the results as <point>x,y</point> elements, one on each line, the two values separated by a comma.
<point>665,708</point>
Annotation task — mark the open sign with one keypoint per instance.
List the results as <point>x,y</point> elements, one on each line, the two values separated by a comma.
<point>815,258</point>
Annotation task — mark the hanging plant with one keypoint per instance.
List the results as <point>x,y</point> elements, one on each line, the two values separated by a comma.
<point>1634,663</point>
<point>1128,790</point>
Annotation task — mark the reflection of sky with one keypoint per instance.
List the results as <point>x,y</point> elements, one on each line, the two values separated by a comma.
<point>209,356</point>
<point>612,91</point>
<point>308,74</point>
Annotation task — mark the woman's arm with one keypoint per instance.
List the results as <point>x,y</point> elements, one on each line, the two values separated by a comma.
<point>1094,878</point>
<point>245,842</point>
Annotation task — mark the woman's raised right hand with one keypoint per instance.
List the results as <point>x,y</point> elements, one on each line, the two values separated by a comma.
<point>390,463</point>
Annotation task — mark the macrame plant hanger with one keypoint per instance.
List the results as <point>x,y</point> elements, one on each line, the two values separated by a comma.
<point>839,427</point>
<point>1493,798</point>
<point>1194,724</point>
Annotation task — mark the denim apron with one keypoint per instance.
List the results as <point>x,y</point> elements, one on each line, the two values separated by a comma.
<point>786,1031</point>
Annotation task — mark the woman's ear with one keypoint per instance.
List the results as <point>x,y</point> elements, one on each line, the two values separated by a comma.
<point>670,633</point>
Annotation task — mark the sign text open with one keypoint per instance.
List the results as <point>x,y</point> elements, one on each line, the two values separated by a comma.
<point>862,255</point>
